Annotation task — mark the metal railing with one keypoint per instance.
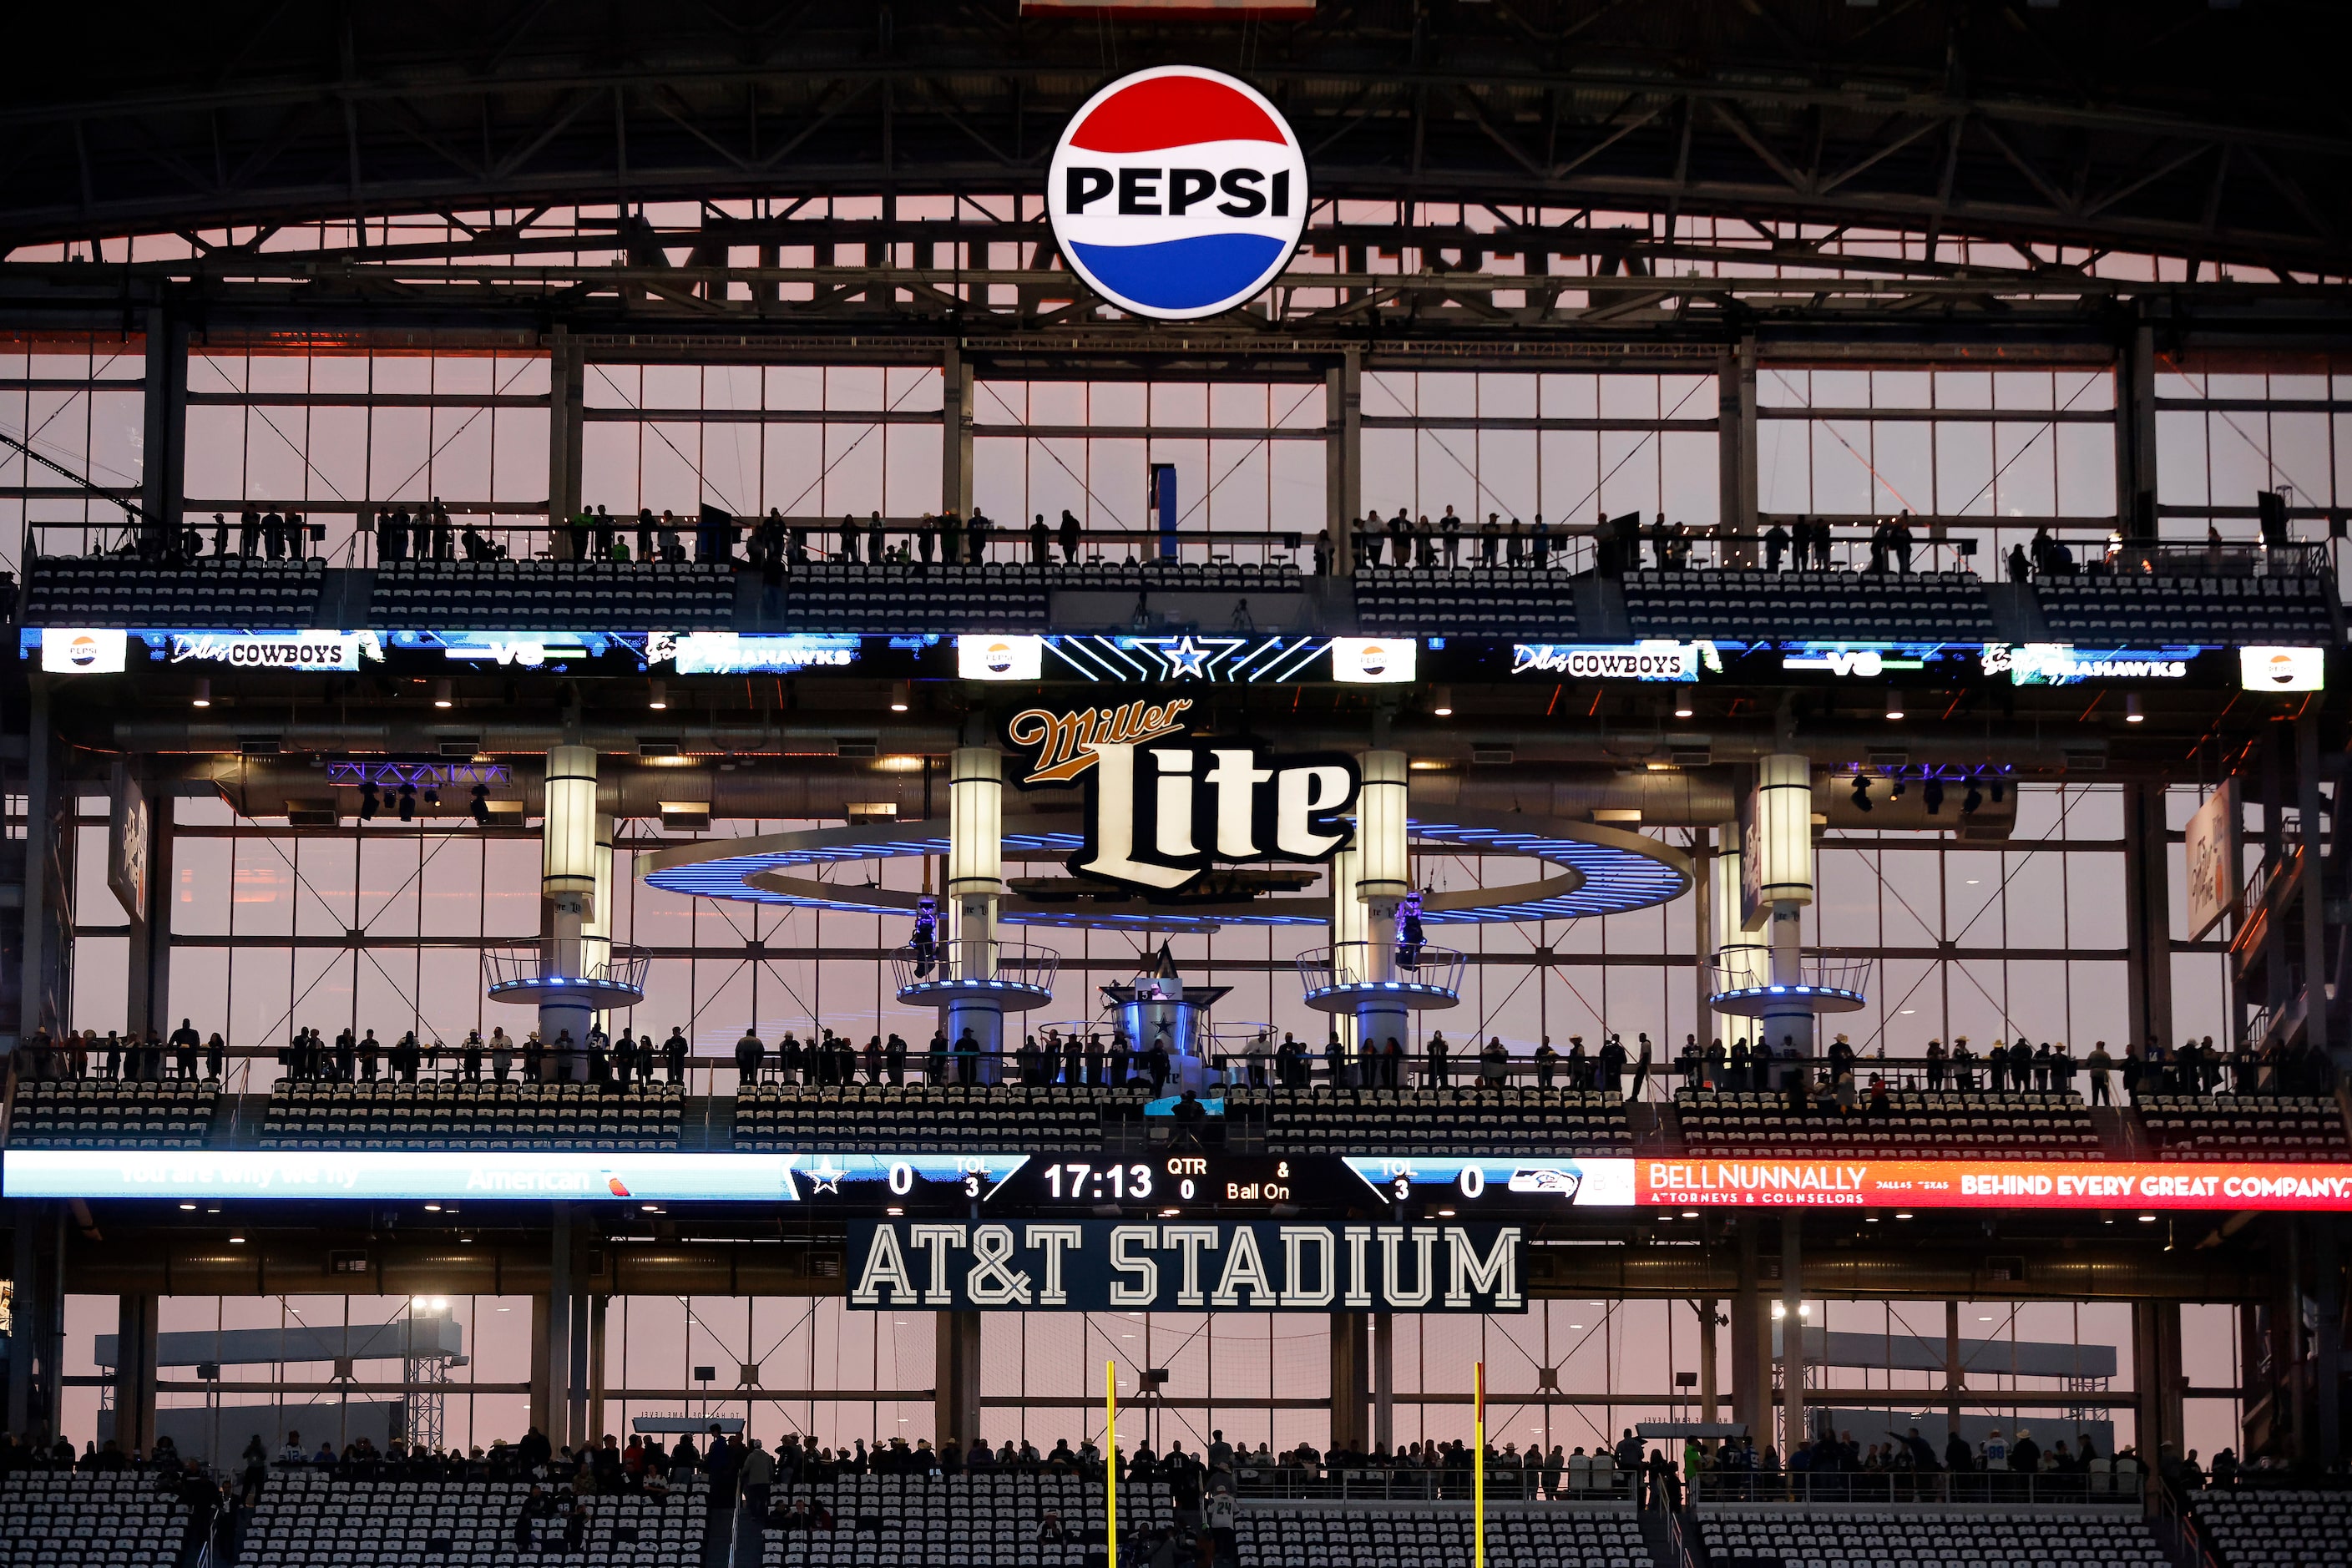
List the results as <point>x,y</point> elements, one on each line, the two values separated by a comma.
<point>1396,1484</point>
<point>1941,1487</point>
<point>1821,973</point>
<point>1418,965</point>
<point>527,964</point>
<point>987,963</point>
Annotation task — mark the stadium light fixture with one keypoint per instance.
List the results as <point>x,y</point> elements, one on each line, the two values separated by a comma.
<point>1861,792</point>
<point>1686,698</point>
<point>2132,715</point>
<point>367,803</point>
<point>441,696</point>
<point>1441,702</point>
<point>409,803</point>
<point>902,697</point>
<point>658,699</point>
<point>1893,703</point>
<point>203,692</point>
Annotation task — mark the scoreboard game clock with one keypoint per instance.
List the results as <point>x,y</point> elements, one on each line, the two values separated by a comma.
<point>1255,1182</point>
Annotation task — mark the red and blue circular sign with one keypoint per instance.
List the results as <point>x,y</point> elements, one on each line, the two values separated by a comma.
<point>1177,193</point>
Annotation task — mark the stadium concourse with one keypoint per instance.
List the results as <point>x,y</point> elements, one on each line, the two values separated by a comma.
<point>1290,787</point>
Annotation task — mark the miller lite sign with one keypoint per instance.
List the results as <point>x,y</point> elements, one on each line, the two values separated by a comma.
<point>1177,193</point>
<point>1162,809</point>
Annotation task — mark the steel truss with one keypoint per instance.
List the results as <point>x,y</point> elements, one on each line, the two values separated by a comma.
<point>2168,124</point>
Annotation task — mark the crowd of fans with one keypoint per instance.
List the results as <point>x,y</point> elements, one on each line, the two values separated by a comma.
<point>1841,1078</point>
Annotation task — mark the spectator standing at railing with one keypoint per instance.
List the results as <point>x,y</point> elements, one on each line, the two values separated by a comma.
<point>1546,1063</point>
<point>1608,1066</point>
<point>1494,1063</point>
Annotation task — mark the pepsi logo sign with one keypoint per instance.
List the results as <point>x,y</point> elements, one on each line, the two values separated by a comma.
<point>1177,193</point>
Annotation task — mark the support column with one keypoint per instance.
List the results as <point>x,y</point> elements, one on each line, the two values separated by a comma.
<point>1343,457</point>
<point>24,1272</point>
<point>48,845</point>
<point>2148,915</point>
<point>1384,1382</point>
<point>2136,455</point>
<point>134,1372</point>
<point>596,1309</point>
<point>956,1379</point>
<point>2156,1376</point>
<point>975,885</point>
<point>558,1427</point>
<point>163,462</point>
<point>544,1401</point>
<point>1346,927</point>
<point>1709,1402</point>
<point>2313,935</point>
<point>1351,1379</point>
<point>1784,845</point>
<point>596,927</point>
<point>566,391</point>
<point>149,991</point>
<point>955,433</point>
<point>1740,959</point>
<point>1751,1374</point>
<point>1736,448</point>
<point>2328,1340</point>
<point>1383,878</point>
<point>576,1414</point>
<point>1955,1375</point>
<point>1792,1333</point>
<point>567,883</point>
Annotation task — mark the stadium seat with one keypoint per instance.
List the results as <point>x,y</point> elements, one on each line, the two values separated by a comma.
<point>1743,604</point>
<point>57,1519</point>
<point>1500,1121</point>
<point>1485,601</point>
<point>306,1520</point>
<point>2244,1127</point>
<point>2140,611</point>
<point>1862,1538</point>
<point>896,598</point>
<point>945,1118</point>
<point>1925,1124</point>
<point>2276,1529</point>
<point>1438,1535</point>
<point>956,1521</point>
<point>552,596</point>
<point>449,1113</point>
<point>217,595</point>
<point>102,1113</point>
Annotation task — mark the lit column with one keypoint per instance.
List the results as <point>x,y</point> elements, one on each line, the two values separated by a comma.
<point>596,927</point>
<point>1783,844</point>
<point>1741,961</point>
<point>1383,878</point>
<point>568,881</point>
<point>975,883</point>
<point>1347,928</point>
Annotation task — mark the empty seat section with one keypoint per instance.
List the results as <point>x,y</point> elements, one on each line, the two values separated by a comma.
<point>458,1114</point>
<point>1922,1124</point>
<point>1500,1121</point>
<point>931,1119</point>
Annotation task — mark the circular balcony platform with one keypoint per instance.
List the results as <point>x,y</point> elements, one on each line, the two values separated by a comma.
<point>1340,979</point>
<point>518,976</point>
<point>1822,985</point>
<point>1013,976</point>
